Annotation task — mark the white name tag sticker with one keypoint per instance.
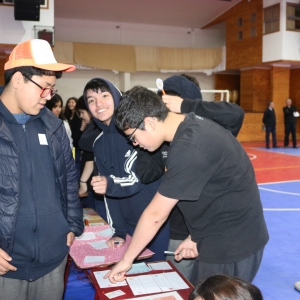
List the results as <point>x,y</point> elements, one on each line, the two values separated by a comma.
<point>43,139</point>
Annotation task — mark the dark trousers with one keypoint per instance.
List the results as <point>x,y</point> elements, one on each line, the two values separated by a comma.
<point>290,128</point>
<point>245,269</point>
<point>271,129</point>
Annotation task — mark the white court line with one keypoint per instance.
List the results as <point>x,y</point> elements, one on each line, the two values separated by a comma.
<point>279,192</point>
<point>251,156</point>
<point>276,182</point>
<point>279,152</point>
<point>282,209</point>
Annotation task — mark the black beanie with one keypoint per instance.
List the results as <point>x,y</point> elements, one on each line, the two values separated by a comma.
<point>183,87</point>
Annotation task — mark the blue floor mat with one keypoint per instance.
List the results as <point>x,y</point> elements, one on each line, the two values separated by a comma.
<point>280,267</point>
<point>289,151</point>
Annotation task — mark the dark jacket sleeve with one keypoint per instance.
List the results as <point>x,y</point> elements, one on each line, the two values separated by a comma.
<point>228,115</point>
<point>289,111</point>
<point>149,165</point>
<point>289,114</point>
<point>115,218</point>
<point>265,117</point>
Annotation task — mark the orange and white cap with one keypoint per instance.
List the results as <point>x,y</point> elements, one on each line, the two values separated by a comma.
<point>35,53</point>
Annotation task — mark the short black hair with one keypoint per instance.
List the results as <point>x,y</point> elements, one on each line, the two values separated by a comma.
<point>137,104</point>
<point>29,72</point>
<point>96,85</point>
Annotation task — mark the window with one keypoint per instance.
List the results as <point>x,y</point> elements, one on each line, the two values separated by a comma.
<point>240,35</point>
<point>293,17</point>
<point>252,31</point>
<point>253,18</point>
<point>271,18</point>
<point>239,22</point>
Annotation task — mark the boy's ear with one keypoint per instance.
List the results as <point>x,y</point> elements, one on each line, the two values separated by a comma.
<point>151,122</point>
<point>17,79</point>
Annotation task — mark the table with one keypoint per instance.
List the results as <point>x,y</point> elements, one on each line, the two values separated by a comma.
<point>100,292</point>
<point>91,218</point>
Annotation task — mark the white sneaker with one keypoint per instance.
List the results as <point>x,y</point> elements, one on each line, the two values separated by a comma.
<point>297,285</point>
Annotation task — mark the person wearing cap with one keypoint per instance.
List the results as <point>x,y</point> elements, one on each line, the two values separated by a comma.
<point>40,213</point>
<point>209,177</point>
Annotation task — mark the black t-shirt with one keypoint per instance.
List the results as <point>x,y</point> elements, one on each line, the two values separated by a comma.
<point>208,168</point>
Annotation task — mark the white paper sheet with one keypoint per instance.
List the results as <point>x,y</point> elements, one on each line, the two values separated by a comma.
<point>93,259</point>
<point>86,236</point>
<point>176,281</point>
<point>138,268</point>
<point>163,283</point>
<point>105,232</point>
<point>105,283</point>
<point>99,245</point>
<point>160,266</point>
<point>144,284</point>
<point>114,294</point>
<point>156,283</point>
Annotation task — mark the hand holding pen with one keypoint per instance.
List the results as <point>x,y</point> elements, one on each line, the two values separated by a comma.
<point>186,249</point>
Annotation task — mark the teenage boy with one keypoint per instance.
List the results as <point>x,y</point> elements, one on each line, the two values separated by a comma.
<point>40,211</point>
<point>151,165</point>
<point>208,168</point>
<point>125,196</point>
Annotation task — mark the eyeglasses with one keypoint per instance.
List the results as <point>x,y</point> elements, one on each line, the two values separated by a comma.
<point>130,137</point>
<point>45,91</point>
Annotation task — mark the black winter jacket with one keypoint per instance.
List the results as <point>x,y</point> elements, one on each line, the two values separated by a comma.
<point>269,118</point>
<point>9,177</point>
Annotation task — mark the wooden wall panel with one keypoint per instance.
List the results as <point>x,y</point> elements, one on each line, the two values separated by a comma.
<point>252,128</point>
<point>246,94</point>
<point>280,91</point>
<point>227,82</point>
<point>255,89</point>
<point>248,51</point>
<point>2,62</point>
<point>261,89</point>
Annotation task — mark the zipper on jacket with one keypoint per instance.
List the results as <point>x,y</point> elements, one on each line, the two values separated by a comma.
<point>24,128</point>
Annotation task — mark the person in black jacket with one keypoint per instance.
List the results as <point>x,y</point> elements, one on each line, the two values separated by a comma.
<point>290,114</point>
<point>40,213</point>
<point>269,120</point>
<point>151,165</point>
